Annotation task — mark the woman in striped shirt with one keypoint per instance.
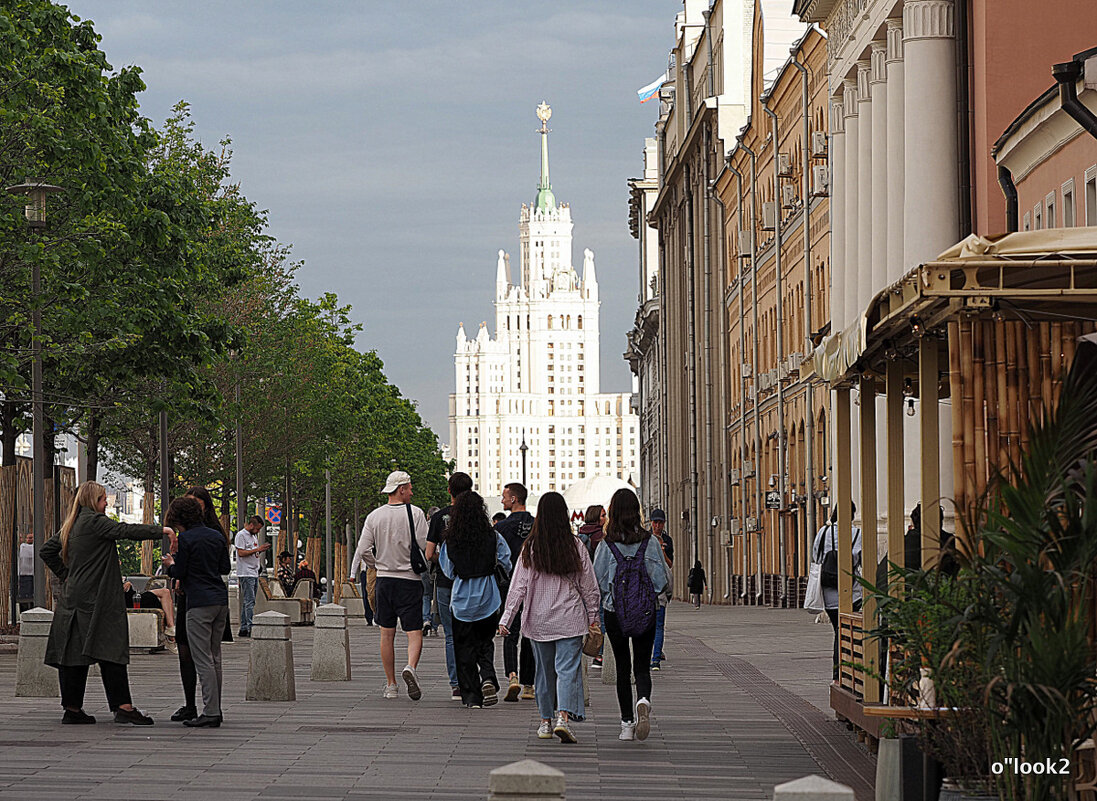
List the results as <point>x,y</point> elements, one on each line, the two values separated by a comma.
<point>554,580</point>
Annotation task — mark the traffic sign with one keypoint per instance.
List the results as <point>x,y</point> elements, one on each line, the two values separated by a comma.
<point>274,515</point>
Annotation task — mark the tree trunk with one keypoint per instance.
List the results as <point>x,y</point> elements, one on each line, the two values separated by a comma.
<point>48,444</point>
<point>9,413</point>
<point>149,509</point>
<point>92,445</point>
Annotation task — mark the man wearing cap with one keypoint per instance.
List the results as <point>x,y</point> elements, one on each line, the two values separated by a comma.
<point>386,544</point>
<point>658,529</point>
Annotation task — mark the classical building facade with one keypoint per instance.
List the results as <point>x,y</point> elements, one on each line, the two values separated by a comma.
<point>535,382</point>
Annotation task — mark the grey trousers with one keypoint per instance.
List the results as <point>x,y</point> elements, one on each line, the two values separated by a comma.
<point>205,625</point>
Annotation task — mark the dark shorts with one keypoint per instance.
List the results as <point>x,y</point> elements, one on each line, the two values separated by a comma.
<point>399,599</point>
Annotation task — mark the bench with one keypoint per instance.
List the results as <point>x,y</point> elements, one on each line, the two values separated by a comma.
<point>300,609</point>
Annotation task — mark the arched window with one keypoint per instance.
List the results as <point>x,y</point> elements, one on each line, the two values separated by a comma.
<point>580,322</point>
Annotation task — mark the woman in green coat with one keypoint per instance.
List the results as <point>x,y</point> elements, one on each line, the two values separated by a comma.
<point>89,623</point>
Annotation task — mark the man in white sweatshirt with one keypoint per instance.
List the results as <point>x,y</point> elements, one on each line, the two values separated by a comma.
<point>386,544</point>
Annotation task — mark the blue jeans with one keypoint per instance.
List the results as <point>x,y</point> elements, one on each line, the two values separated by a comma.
<point>248,585</point>
<point>444,594</point>
<point>428,596</point>
<point>559,677</point>
<point>660,623</point>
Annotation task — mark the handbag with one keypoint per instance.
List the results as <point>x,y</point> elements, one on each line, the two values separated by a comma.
<point>418,561</point>
<point>592,640</point>
<point>813,597</point>
<point>502,578</point>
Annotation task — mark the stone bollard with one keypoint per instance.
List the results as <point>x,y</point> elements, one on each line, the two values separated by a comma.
<point>812,788</point>
<point>609,664</point>
<point>270,665</point>
<point>331,645</point>
<point>528,780</point>
<point>33,678</point>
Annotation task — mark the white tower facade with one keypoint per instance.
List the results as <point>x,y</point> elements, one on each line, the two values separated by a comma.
<point>537,379</point>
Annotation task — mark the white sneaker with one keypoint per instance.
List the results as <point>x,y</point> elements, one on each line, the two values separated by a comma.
<point>544,731</point>
<point>562,730</point>
<point>390,691</point>
<point>628,730</point>
<point>412,680</point>
<point>643,718</point>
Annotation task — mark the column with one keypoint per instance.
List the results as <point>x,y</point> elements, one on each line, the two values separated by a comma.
<point>869,530</point>
<point>895,156</point>
<point>929,109</point>
<point>929,434</point>
<point>895,463</point>
<point>879,88</point>
<point>851,187</point>
<point>865,286</point>
<point>837,152</point>
<point>843,496</point>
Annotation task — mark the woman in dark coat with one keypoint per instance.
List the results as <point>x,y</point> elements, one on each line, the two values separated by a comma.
<point>89,624</point>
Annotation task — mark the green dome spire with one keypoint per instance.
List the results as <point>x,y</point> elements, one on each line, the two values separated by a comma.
<point>545,199</point>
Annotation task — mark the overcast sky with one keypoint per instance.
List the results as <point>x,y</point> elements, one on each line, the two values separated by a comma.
<point>393,144</point>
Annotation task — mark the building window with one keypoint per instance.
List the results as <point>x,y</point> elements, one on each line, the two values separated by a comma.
<point>1091,196</point>
<point>1028,222</point>
<point>1068,204</point>
<point>1038,217</point>
<point>1049,206</point>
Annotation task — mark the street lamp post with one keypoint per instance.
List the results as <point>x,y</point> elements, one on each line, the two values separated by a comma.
<point>36,191</point>
<point>523,448</point>
<point>329,561</point>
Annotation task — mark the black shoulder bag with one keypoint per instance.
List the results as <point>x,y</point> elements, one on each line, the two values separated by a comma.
<point>418,561</point>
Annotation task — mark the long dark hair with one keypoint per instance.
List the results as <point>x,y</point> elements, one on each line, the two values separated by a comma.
<point>623,518</point>
<point>468,525</point>
<point>550,546</point>
<point>209,516</point>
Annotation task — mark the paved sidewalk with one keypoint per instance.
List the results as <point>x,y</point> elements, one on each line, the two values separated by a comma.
<point>739,707</point>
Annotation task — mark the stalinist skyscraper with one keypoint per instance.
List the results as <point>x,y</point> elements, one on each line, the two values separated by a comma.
<point>537,379</point>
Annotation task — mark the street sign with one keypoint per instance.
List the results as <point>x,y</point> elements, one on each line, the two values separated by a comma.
<point>773,499</point>
<point>274,515</point>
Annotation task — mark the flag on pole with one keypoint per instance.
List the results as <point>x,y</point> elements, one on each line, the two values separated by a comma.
<point>652,89</point>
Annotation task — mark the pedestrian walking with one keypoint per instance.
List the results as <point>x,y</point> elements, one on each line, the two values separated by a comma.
<point>631,573</point>
<point>392,540</point>
<point>658,530</point>
<point>248,565</point>
<point>469,555</point>
<point>429,580</point>
<point>696,582</point>
<point>89,623</point>
<point>200,562</point>
<point>26,571</point>
<point>824,552</point>
<point>517,650</point>
<point>591,531</point>
<point>554,584</point>
<point>436,535</point>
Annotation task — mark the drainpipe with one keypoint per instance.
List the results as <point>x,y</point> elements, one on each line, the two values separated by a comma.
<point>742,378</point>
<point>809,435</point>
<point>1067,74</point>
<point>706,195</point>
<point>1005,180</point>
<point>780,350</point>
<point>691,365</point>
<point>757,418</point>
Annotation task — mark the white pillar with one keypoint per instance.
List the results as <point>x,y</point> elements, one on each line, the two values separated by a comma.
<point>879,88</point>
<point>895,156</point>
<point>932,202</point>
<point>865,287</point>
<point>837,151</point>
<point>849,267</point>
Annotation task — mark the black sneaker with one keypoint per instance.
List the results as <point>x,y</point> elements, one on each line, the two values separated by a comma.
<point>132,717</point>
<point>204,721</point>
<point>77,717</point>
<point>244,633</point>
<point>184,713</point>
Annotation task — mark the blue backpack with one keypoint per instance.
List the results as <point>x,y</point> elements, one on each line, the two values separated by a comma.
<point>634,599</point>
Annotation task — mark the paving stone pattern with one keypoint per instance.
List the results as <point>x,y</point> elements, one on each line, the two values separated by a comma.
<point>712,738</point>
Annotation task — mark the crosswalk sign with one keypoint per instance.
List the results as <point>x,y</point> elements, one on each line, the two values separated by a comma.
<point>274,515</point>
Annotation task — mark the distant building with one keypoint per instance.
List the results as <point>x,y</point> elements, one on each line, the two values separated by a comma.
<point>537,379</point>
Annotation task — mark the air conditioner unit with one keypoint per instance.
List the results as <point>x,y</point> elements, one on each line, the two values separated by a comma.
<point>752,524</point>
<point>750,393</point>
<point>788,196</point>
<point>820,181</point>
<point>818,144</point>
<point>784,165</point>
<point>783,370</point>
<point>772,375</point>
<point>748,469</point>
<point>733,476</point>
<point>795,359</point>
<point>745,238</point>
<point>769,216</point>
<point>747,371</point>
<point>733,527</point>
